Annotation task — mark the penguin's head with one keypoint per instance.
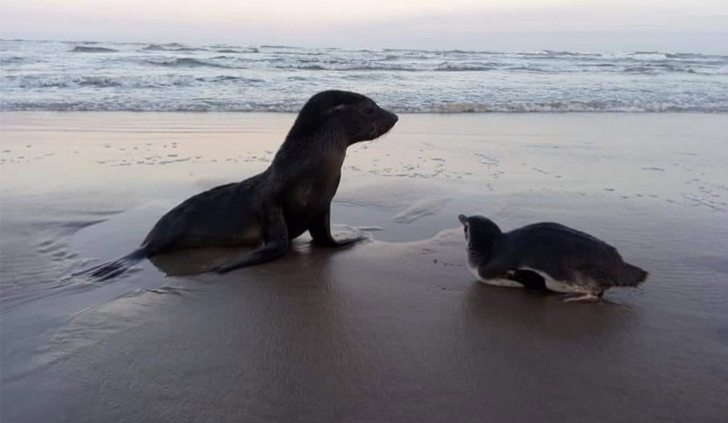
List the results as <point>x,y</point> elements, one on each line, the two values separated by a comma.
<point>479,229</point>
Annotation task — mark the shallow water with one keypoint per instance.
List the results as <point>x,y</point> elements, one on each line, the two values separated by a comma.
<point>394,329</point>
<point>91,76</point>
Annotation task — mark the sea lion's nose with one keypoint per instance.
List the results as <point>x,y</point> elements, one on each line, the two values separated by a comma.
<point>394,118</point>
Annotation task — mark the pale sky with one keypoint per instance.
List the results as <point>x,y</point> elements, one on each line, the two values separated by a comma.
<point>579,25</point>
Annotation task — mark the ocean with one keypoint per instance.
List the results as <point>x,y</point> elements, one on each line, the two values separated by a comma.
<point>104,76</point>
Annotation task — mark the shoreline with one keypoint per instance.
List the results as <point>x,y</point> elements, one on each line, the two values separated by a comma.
<point>402,112</point>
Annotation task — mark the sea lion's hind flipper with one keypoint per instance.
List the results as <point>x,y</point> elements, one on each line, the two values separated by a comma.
<point>276,244</point>
<point>114,268</point>
<point>267,252</point>
<point>320,231</point>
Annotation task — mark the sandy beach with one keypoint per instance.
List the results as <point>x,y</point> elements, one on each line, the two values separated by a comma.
<point>394,329</point>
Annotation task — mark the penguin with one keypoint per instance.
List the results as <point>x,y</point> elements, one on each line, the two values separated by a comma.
<point>564,259</point>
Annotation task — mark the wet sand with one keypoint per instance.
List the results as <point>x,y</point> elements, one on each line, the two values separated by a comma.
<point>393,329</point>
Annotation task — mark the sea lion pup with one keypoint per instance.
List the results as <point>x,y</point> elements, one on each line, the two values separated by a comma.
<point>268,210</point>
<point>567,260</point>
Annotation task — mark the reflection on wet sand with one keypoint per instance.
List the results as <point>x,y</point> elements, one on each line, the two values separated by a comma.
<point>195,261</point>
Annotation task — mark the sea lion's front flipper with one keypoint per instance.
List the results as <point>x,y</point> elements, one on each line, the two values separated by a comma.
<point>320,231</point>
<point>275,236</point>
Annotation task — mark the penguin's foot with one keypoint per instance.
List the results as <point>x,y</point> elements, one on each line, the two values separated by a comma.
<point>581,298</point>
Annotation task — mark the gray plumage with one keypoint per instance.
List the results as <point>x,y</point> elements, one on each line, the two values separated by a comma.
<point>567,259</point>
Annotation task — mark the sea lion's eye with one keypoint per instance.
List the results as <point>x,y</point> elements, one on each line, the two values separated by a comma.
<point>368,110</point>
<point>335,109</point>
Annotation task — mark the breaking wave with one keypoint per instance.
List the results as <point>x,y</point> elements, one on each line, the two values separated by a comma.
<point>125,81</point>
<point>188,62</point>
<point>234,105</point>
<point>172,47</point>
<point>86,49</point>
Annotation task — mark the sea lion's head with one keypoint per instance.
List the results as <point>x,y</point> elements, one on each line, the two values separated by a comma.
<point>337,114</point>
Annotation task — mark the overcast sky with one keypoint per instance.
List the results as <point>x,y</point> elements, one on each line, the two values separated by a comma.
<point>579,25</point>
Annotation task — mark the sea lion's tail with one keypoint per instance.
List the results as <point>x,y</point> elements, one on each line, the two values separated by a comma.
<point>632,275</point>
<point>116,267</point>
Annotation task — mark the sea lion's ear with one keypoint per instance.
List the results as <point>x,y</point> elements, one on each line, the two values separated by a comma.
<point>334,109</point>
<point>463,219</point>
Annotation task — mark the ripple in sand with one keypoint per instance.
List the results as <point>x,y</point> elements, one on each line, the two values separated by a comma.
<point>421,209</point>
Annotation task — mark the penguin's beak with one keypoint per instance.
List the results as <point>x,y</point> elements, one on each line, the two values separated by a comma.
<point>463,219</point>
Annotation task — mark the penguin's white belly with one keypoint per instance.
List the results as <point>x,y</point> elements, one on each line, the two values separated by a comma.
<point>555,285</point>
<point>495,282</point>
